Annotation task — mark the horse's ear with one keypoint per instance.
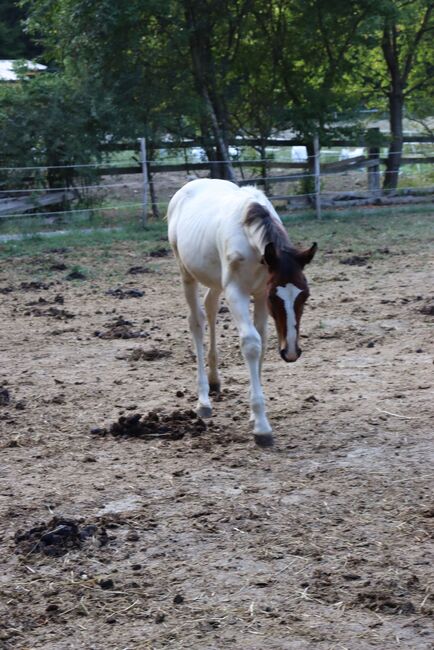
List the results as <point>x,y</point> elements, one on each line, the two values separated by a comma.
<point>270,256</point>
<point>306,256</point>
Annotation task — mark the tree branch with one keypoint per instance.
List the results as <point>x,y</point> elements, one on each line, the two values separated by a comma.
<point>416,41</point>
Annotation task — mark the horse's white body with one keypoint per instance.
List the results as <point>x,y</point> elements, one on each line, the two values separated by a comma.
<point>215,248</point>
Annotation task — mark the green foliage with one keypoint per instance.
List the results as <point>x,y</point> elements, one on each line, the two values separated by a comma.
<point>46,121</point>
<point>213,68</point>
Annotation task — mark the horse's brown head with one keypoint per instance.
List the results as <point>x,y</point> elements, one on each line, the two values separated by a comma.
<point>287,292</point>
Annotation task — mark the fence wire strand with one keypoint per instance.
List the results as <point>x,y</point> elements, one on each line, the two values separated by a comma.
<point>237,161</point>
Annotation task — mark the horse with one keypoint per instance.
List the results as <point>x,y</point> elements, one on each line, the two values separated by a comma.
<point>231,240</point>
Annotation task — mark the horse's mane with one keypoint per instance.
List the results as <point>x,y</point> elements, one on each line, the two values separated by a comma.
<point>266,229</point>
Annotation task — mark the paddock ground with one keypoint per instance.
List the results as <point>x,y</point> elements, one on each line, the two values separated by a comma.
<point>324,543</point>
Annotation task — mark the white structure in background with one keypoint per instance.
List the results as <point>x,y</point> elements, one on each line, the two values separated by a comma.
<point>299,154</point>
<point>352,152</point>
<point>197,154</point>
<point>7,72</point>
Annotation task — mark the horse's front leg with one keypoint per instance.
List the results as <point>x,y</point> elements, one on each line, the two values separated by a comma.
<point>251,346</point>
<point>197,325</point>
<point>260,317</point>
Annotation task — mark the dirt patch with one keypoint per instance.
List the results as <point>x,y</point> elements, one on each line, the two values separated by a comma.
<point>120,329</point>
<point>125,293</point>
<point>51,312</point>
<point>160,252</point>
<point>355,260</point>
<point>386,601</point>
<point>173,426</point>
<point>58,299</point>
<point>57,537</point>
<point>428,310</point>
<point>58,266</point>
<point>76,275</point>
<point>148,355</point>
<point>36,285</point>
<point>323,542</point>
<point>138,270</point>
<point>59,251</point>
<point>5,397</point>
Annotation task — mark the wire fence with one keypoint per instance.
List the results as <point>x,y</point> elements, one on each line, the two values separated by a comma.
<point>354,176</point>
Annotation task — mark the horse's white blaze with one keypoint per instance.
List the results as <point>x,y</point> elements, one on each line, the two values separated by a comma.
<point>288,295</point>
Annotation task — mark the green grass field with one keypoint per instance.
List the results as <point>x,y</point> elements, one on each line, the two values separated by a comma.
<point>355,229</point>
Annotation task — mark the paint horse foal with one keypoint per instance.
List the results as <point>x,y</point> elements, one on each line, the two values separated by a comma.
<point>231,240</point>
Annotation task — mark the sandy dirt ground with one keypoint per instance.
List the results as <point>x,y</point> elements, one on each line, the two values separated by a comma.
<point>205,541</point>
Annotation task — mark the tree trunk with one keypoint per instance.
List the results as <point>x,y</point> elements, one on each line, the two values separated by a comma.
<point>396,105</point>
<point>203,68</point>
<point>227,171</point>
<point>209,149</point>
<point>152,193</point>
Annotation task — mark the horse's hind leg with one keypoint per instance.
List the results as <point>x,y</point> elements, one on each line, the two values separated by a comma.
<point>197,325</point>
<point>211,308</point>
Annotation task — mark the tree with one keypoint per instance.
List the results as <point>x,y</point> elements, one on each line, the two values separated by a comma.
<point>216,69</point>
<point>48,121</point>
<point>404,34</point>
<point>400,68</point>
<point>14,42</point>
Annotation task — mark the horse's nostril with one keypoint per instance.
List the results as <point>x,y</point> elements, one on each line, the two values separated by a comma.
<point>283,354</point>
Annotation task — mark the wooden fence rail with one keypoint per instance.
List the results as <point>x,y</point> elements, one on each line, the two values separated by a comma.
<point>303,170</point>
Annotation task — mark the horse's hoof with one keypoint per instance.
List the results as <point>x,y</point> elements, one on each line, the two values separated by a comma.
<point>204,411</point>
<point>264,440</point>
<point>214,388</point>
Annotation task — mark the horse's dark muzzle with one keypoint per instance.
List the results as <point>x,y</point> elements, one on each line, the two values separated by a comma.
<point>290,358</point>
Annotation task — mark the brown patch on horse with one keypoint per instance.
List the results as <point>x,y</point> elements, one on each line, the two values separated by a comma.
<point>272,231</point>
<point>279,253</point>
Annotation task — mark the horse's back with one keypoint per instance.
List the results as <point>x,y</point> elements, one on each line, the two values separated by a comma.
<point>207,234</point>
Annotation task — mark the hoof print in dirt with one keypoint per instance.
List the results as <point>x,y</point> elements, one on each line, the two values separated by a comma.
<point>386,603</point>
<point>56,537</point>
<point>155,426</point>
<point>355,260</point>
<point>428,310</point>
<point>125,293</point>
<point>5,397</point>
<point>120,329</point>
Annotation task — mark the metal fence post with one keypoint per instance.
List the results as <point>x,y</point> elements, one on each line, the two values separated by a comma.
<point>374,171</point>
<point>144,164</point>
<point>317,173</point>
